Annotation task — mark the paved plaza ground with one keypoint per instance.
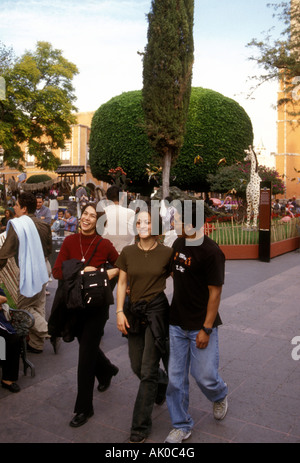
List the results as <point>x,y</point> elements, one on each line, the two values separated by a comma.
<point>261,316</point>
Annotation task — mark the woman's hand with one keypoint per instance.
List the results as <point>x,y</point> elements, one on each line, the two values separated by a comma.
<point>122,322</point>
<point>89,268</point>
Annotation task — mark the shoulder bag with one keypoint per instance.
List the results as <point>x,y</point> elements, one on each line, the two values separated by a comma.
<point>96,290</point>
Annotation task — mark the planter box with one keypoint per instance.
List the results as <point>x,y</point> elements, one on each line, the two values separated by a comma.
<point>240,252</point>
<point>251,251</point>
<point>282,247</point>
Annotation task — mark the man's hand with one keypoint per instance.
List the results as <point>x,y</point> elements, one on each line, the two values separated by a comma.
<point>202,340</point>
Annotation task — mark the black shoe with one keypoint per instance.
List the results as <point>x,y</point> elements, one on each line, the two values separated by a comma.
<point>80,419</point>
<point>137,439</point>
<point>55,343</point>
<point>33,350</point>
<point>13,387</point>
<point>102,387</point>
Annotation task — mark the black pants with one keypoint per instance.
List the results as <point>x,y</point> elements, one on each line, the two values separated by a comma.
<point>92,362</point>
<point>10,366</point>
<point>145,358</point>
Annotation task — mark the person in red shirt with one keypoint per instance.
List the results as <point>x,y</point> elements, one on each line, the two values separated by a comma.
<point>89,326</point>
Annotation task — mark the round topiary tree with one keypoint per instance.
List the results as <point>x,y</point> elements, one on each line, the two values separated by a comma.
<point>118,139</point>
<point>218,132</point>
<point>218,128</point>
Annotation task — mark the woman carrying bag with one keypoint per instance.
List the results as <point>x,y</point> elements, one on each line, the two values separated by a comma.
<point>145,266</point>
<point>89,252</point>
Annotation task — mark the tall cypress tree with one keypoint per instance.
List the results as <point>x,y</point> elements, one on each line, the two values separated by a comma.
<point>167,77</point>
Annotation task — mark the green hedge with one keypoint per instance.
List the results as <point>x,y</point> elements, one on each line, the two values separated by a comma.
<point>38,178</point>
<point>217,127</point>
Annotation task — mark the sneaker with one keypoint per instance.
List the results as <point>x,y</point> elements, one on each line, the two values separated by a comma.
<point>176,436</point>
<point>220,409</point>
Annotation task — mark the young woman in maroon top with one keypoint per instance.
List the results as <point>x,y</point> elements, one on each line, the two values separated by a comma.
<point>88,327</point>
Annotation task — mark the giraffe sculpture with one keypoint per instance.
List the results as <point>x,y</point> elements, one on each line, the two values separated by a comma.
<point>253,188</point>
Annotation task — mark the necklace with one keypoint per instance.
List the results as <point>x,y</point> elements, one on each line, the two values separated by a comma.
<point>147,250</point>
<point>83,255</point>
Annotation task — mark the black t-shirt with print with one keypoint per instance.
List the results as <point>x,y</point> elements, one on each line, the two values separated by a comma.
<point>194,269</point>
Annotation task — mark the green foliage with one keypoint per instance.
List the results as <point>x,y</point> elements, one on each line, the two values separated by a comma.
<point>38,178</point>
<point>237,176</point>
<point>279,58</point>
<point>38,106</point>
<point>217,128</point>
<point>167,73</point>
<point>118,139</point>
<point>167,77</point>
<point>229,178</point>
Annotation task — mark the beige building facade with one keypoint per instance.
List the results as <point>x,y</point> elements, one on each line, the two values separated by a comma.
<point>75,153</point>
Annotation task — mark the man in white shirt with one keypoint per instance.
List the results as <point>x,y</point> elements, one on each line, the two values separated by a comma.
<point>119,220</point>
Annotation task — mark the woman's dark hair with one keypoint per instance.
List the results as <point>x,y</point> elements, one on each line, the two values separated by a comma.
<point>11,212</point>
<point>100,224</point>
<point>99,214</point>
<point>156,220</point>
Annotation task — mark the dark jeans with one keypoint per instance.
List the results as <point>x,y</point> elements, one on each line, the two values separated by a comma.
<point>92,361</point>
<point>145,358</point>
<point>10,366</point>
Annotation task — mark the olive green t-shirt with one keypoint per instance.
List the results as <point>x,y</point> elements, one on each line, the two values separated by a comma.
<point>147,271</point>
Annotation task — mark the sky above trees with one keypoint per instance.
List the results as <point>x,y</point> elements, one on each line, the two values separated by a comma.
<point>103,37</point>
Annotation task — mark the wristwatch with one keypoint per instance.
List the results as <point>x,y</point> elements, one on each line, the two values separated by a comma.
<point>208,331</point>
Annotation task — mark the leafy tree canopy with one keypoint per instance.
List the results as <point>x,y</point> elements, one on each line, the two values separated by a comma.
<point>167,76</point>
<point>235,178</point>
<point>38,107</point>
<point>218,130</point>
<point>279,58</point>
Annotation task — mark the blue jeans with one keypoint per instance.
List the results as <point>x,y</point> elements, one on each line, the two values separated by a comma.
<point>203,364</point>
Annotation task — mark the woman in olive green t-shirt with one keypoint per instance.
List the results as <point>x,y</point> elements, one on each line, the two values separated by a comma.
<point>145,266</point>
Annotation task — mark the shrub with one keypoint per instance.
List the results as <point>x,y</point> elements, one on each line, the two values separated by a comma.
<point>217,128</point>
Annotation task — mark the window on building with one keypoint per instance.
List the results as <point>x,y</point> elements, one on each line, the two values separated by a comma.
<point>65,154</point>
<point>29,158</point>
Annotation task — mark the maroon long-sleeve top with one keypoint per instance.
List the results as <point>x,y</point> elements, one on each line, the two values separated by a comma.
<point>78,246</point>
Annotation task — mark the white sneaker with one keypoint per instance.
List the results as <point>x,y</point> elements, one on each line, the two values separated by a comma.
<point>176,436</point>
<point>220,408</point>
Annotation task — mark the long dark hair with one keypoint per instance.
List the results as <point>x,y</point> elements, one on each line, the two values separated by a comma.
<point>99,224</point>
<point>99,214</point>
<point>156,221</point>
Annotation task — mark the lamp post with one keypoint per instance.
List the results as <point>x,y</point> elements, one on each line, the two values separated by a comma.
<point>3,175</point>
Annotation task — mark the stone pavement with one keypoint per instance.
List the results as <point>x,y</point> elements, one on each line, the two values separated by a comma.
<point>261,315</point>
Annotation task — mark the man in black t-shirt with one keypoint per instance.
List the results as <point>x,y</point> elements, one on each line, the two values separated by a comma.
<point>198,272</point>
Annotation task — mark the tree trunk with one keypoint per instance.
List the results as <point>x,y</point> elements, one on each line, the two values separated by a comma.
<point>167,159</point>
